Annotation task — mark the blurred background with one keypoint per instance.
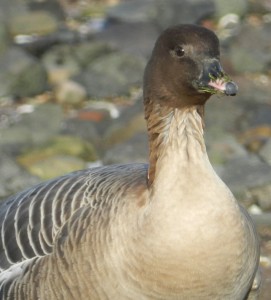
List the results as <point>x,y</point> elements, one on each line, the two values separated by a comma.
<point>70,92</point>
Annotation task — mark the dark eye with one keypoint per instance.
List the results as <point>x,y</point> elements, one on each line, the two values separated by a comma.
<point>179,51</point>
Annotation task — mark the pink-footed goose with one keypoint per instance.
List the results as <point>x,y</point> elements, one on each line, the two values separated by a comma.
<point>167,230</point>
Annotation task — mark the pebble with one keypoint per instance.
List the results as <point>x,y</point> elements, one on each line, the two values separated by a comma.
<point>134,11</point>
<point>4,38</point>
<point>112,75</point>
<point>60,63</point>
<point>31,129</point>
<point>60,155</point>
<point>265,152</point>
<point>223,8</point>
<point>55,165</point>
<point>261,195</point>
<point>37,22</point>
<point>23,75</point>
<point>248,58</point>
<point>70,93</point>
<point>134,149</point>
<point>13,177</point>
<point>246,173</point>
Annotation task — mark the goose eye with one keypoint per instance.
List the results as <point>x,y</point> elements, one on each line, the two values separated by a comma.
<point>179,51</point>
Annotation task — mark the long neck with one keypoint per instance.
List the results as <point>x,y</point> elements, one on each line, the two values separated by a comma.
<point>176,138</point>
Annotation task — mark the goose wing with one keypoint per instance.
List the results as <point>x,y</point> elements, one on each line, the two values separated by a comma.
<point>30,221</point>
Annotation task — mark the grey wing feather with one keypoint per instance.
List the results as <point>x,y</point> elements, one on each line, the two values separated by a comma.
<point>30,220</point>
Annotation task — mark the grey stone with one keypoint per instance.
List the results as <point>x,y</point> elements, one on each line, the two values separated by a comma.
<point>258,114</point>
<point>70,93</point>
<point>13,177</point>
<point>223,148</point>
<point>162,13</point>
<point>53,7</point>
<point>128,37</point>
<point>248,50</point>
<point>221,114</point>
<point>130,122</point>
<point>11,7</point>
<point>265,152</point>
<point>174,12</point>
<point>112,75</point>
<point>61,154</point>
<point>28,23</point>
<point>4,37</point>
<point>21,74</point>
<point>32,128</point>
<point>262,196</point>
<point>134,149</point>
<point>244,173</point>
<point>87,52</point>
<point>133,11</point>
<point>60,63</point>
<point>125,140</point>
<point>239,7</point>
<point>65,61</point>
<point>254,95</point>
<point>260,6</point>
<point>84,129</point>
<point>244,60</point>
<point>56,165</point>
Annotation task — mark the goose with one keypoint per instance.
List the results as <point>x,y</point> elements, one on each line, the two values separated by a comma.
<point>170,229</point>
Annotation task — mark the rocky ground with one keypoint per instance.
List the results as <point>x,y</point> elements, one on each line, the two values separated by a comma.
<point>70,92</point>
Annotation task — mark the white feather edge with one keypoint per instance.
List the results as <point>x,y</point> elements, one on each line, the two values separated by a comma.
<point>14,271</point>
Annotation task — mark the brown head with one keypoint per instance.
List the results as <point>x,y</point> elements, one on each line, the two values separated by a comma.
<point>183,71</point>
<point>184,68</point>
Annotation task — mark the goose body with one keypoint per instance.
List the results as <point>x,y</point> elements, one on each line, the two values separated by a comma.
<point>168,230</point>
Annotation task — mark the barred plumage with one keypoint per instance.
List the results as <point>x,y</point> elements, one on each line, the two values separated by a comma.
<point>31,220</point>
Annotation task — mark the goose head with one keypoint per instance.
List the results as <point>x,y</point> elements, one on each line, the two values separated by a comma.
<point>184,68</point>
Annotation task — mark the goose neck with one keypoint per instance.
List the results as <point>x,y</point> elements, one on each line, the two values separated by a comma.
<point>175,139</point>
